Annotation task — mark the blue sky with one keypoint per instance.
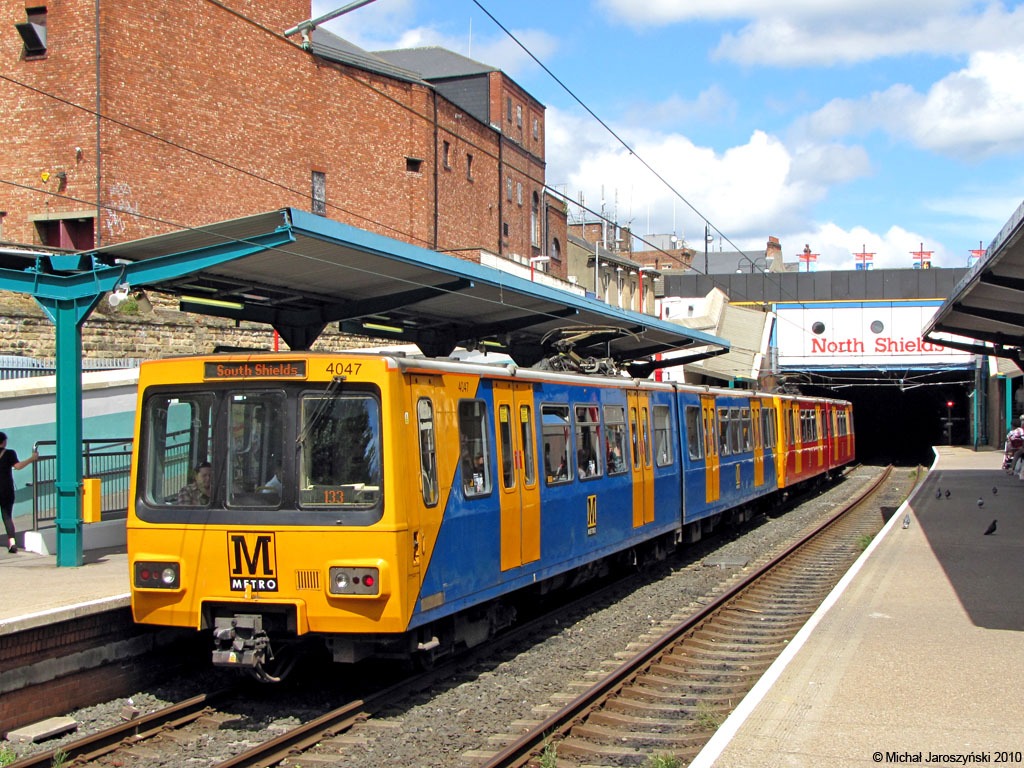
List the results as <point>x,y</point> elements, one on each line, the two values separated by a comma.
<point>842,125</point>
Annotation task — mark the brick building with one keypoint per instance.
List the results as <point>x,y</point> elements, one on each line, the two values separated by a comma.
<point>129,119</point>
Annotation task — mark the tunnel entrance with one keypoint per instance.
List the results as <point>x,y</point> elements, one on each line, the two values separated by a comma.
<point>900,425</point>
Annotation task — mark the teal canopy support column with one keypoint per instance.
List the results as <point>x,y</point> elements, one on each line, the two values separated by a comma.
<point>67,316</point>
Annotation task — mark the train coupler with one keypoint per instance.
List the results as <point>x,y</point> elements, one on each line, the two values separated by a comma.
<point>240,641</point>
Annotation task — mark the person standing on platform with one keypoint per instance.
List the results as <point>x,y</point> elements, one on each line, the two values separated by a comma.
<point>9,461</point>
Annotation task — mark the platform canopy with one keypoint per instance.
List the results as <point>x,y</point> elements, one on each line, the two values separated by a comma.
<point>988,303</point>
<point>327,272</point>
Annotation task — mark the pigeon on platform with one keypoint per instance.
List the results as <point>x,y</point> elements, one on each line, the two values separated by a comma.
<point>947,493</point>
<point>990,529</point>
<point>906,521</point>
<point>938,493</point>
<point>980,502</point>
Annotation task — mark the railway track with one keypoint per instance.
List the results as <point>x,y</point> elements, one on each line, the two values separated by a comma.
<point>670,698</point>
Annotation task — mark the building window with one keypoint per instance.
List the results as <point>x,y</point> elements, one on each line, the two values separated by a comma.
<point>556,250</point>
<point>504,229</point>
<point>535,220</point>
<point>519,192</point>
<point>536,128</point>
<point>413,164</point>
<point>508,188</point>
<point>446,153</point>
<point>33,32</point>
<point>519,115</point>
<point>319,193</point>
<point>508,105</point>
<point>469,166</point>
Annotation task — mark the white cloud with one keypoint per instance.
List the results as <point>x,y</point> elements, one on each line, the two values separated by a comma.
<point>750,190</point>
<point>836,247</point>
<point>806,32</point>
<point>975,112</point>
<point>712,105</point>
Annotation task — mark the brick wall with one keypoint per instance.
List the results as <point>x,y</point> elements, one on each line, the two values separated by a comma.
<point>259,114</point>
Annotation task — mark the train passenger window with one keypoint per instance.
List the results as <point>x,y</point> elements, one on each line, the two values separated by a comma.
<point>476,474</point>
<point>255,449</point>
<point>340,458</point>
<point>527,441</point>
<point>555,431</point>
<point>694,433</point>
<point>645,433</point>
<point>508,474</point>
<point>735,431</point>
<point>428,451</point>
<point>662,435</point>
<point>178,438</point>
<point>588,441</point>
<point>635,432</point>
<point>723,432</point>
<point>745,430</point>
<point>616,447</point>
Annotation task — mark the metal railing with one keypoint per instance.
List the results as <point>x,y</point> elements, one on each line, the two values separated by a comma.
<point>109,460</point>
<point>17,367</point>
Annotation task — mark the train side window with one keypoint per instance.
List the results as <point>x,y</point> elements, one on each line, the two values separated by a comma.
<point>746,430</point>
<point>735,430</point>
<point>428,451</point>
<point>476,465</point>
<point>635,435</point>
<point>723,432</point>
<point>662,432</point>
<point>527,441</point>
<point>555,431</point>
<point>694,432</point>
<point>588,441</point>
<point>645,434</point>
<point>508,474</point>
<point>792,426</point>
<point>616,446</point>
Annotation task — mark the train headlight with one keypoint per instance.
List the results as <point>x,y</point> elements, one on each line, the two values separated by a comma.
<point>354,581</point>
<point>157,575</point>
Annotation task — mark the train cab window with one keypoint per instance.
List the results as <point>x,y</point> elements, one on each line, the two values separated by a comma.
<point>662,435</point>
<point>340,456</point>
<point>588,441</point>
<point>616,445</point>
<point>255,449</point>
<point>428,451</point>
<point>527,441</point>
<point>694,433</point>
<point>555,431</point>
<point>178,439</point>
<point>746,430</point>
<point>476,474</point>
<point>508,471</point>
<point>723,432</point>
<point>791,424</point>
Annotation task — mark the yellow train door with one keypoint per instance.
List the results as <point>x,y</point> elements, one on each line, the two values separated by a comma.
<point>640,457</point>
<point>755,418</point>
<point>518,487</point>
<point>707,409</point>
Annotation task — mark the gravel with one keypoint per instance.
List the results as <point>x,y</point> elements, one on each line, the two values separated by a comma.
<point>482,705</point>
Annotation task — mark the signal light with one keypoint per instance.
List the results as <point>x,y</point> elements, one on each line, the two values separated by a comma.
<point>949,403</point>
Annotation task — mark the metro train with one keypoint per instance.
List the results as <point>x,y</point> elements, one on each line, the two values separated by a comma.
<point>398,507</point>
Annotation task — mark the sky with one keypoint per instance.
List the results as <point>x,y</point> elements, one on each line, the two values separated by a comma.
<point>863,125</point>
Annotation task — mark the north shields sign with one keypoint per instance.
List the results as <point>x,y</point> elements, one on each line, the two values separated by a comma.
<point>868,333</point>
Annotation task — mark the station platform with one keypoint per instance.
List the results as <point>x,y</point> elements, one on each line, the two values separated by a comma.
<point>915,657</point>
<point>36,592</point>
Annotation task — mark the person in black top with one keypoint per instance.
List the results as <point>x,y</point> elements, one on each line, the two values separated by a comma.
<point>9,461</point>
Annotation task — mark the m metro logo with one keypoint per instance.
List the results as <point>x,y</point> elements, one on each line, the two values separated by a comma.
<point>252,562</point>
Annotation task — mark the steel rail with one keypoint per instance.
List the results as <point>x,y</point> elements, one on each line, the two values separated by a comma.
<point>519,752</point>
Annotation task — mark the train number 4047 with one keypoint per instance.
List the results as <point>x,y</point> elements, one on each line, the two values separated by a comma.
<point>344,369</point>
